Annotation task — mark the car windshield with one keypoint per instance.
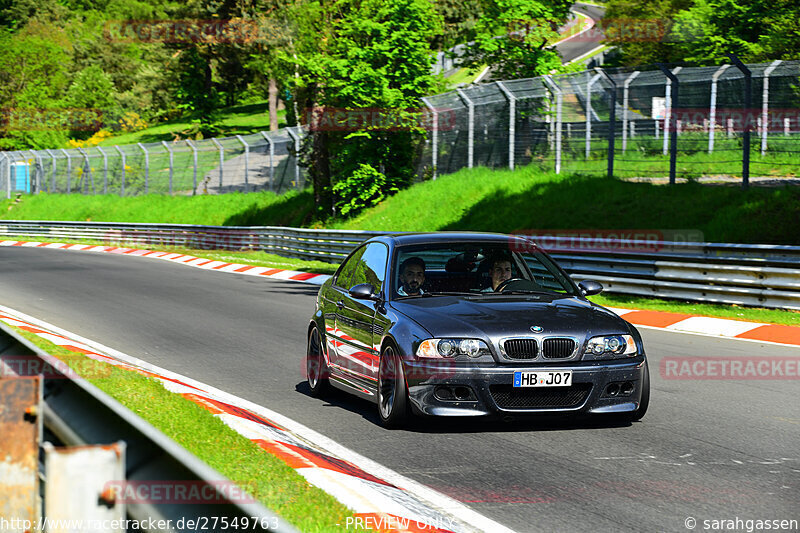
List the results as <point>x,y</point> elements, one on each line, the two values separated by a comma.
<point>475,268</point>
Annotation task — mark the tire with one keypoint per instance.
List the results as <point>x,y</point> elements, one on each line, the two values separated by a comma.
<point>645,401</point>
<point>392,394</point>
<point>316,368</point>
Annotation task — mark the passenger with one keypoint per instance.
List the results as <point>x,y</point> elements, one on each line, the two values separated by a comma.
<point>412,276</point>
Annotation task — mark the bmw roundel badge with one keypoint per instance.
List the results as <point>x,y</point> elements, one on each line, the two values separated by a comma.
<point>537,329</point>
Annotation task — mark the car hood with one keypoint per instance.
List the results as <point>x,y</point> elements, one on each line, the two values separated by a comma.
<point>503,316</point>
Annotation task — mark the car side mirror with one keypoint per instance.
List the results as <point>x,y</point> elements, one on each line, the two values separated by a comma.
<point>590,287</point>
<point>363,291</point>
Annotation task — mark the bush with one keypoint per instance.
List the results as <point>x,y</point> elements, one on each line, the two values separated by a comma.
<point>364,188</point>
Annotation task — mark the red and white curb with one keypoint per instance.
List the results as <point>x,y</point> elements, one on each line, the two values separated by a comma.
<point>380,498</point>
<point>683,323</point>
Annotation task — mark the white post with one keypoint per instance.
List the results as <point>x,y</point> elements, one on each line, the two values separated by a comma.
<point>435,142</point>
<point>668,109</point>
<point>122,182</point>
<point>559,100</point>
<point>8,177</point>
<point>146,168</point>
<point>712,113</point>
<point>271,146</point>
<point>246,162</point>
<point>105,170</point>
<point>657,127</point>
<point>69,170</point>
<point>88,172</point>
<point>470,126</point>
<point>194,158</point>
<point>786,126</point>
<point>765,105</point>
<point>296,137</point>
<point>221,160</point>
<point>625,90</point>
<point>2,158</point>
<point>589,112</point>
<point>512,115</point>
<point>53,157</point>
<point>632,126</point>
<point>729,127</point>
<point>171,163</point>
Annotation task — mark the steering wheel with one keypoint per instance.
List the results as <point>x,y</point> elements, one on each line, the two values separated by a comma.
<point>505,283</point>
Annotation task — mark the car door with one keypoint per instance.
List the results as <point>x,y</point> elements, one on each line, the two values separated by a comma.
<point>357,357</point>
<point>332,301</point>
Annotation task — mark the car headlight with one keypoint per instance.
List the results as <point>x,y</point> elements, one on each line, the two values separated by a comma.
<point>444,348</point>
<point>611,346</point>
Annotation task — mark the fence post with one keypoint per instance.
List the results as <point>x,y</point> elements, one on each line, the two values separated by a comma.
<point>589,112</point>
<point>625,90</point>
<point>3,158</point>
<point>612,122</point>
<point>470,126</point>
<point>146,167</point>
<point>296,138</point>
<point>221,160</point>
<point>668,101</point>
<point>122,183</point>
<point>87,171</point>
<point>512,114</point>
<point>435,147</point>
<point>105,170</point>
<point>670,104</point>
<point>69,170</point>
<point>559,101</point>
<point>171,163</point>
<point>765,105</point>
<point>712,113</point>
<point>748,106</point>
<point>9,159</point>
<point>271,146</point>
<point>53,157</point>
<point>246,162</point>
<point>194,158</point>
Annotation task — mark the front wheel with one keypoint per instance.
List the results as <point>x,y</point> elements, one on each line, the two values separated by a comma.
<point>316,367</point>
<point>392,395</point>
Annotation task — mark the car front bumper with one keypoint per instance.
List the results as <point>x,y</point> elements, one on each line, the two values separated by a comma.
<point>487,391</point>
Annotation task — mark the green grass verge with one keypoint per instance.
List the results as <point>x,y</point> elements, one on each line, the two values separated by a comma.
<point>268,479</point>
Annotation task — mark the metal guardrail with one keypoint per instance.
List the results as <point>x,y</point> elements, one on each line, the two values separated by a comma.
<point>744,274</point>
<point>78,414</point>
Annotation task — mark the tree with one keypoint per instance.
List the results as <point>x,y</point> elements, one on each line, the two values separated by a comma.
<point>363,56</point>
<point>512,37</point>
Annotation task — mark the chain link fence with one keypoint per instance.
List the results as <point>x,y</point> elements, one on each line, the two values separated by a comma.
<point>658,123</point>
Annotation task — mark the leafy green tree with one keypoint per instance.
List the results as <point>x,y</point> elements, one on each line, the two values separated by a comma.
<point>512,37</point>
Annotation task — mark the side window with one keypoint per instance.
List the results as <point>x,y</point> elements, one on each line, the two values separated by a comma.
<point>371,266</point>
<point>345,274</point>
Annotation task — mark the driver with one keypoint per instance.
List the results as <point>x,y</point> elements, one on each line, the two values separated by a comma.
<point>499,271</point>
<point>412,276</point>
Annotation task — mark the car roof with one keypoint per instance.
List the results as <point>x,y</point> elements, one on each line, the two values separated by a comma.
<point>403,239</point>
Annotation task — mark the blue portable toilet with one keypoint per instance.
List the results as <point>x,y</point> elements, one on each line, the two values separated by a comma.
<point>21,177</point>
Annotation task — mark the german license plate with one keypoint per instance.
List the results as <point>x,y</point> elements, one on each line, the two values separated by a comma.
<point>543,379</point>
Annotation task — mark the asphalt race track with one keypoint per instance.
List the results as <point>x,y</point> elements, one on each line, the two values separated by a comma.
<point>707,449</point>
<point>585,42</point>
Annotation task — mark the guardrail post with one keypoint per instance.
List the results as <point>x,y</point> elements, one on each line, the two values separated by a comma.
<point>122,182</point>
<point>435,140</point>
<point>670,103</point>
<point>171,163</point>
<point>221,161</point>
<point>53,157</point>
<point>712,112</point>
<point>246,162</point>
<point>589,85</point>
<point>512,114</point>
<point>271,146</point>
<point>748,105</point>
<point>765,105</point>
<point>69,170</point>
<point>296,138</point>
<point>470,125</point>
<point>105,170</point>
<point>146,167</point>
<point>194,166</point>
<point>556,90</point>
<point>625,92</point>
